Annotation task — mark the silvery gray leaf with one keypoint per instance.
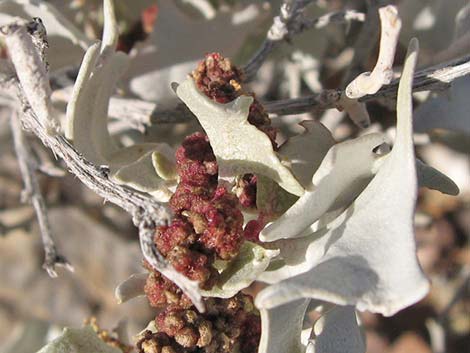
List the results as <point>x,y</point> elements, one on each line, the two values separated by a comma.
<point>342,175</point>
<point>367,258</point>
<point>281,328</point>
<point>87,121</point>
<point>238,146</point>
<point>339,332</point>
<point>304,152</point>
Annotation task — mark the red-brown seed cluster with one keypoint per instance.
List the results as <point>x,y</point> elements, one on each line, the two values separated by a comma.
<point>208,223</point>
<point>161,291</point>
<point>217,78</point>
<point>212,211</point>
<point>221,81</point>
<point>228,323</point>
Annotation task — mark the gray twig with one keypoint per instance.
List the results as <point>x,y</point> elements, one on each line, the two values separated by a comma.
<point>435,78</point>
<point>146,212</point>
<point>32,193</point>
<point>281,29</point>
<point>290,22</point>
<point>141,114</point>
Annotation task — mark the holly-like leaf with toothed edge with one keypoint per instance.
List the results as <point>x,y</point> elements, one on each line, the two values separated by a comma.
<point>78,340</point>
<point>343,174</point>
<point>239,147</point>
<point>367,257</point>
<point>305,152</point>
<point>87,122</point>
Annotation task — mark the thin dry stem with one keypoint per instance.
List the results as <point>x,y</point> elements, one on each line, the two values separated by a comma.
<point>436,78</point>
<point>33,194</point>
<point>290,22</point>
<point>146,212</point>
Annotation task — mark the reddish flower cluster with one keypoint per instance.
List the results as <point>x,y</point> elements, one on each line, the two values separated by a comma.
<point>217,78</point>
<point>228,323</point>
<point>221,81</point>
<point>161,291</point>
<point>208,223</point>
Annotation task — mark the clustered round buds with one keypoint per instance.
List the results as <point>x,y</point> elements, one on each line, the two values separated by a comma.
<point>221,81</point>
<point>217,78</point>
<point>161,291</point>
<point>227,324</point>
<point>208,226</point>
<point>208,223</point>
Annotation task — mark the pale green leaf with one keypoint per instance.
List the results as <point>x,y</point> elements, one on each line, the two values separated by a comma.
<point>239,273</point>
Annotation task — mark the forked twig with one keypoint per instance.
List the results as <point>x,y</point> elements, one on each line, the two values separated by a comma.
<point>290,22</point>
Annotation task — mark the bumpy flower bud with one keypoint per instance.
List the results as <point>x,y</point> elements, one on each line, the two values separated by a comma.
<point>228,323</point>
